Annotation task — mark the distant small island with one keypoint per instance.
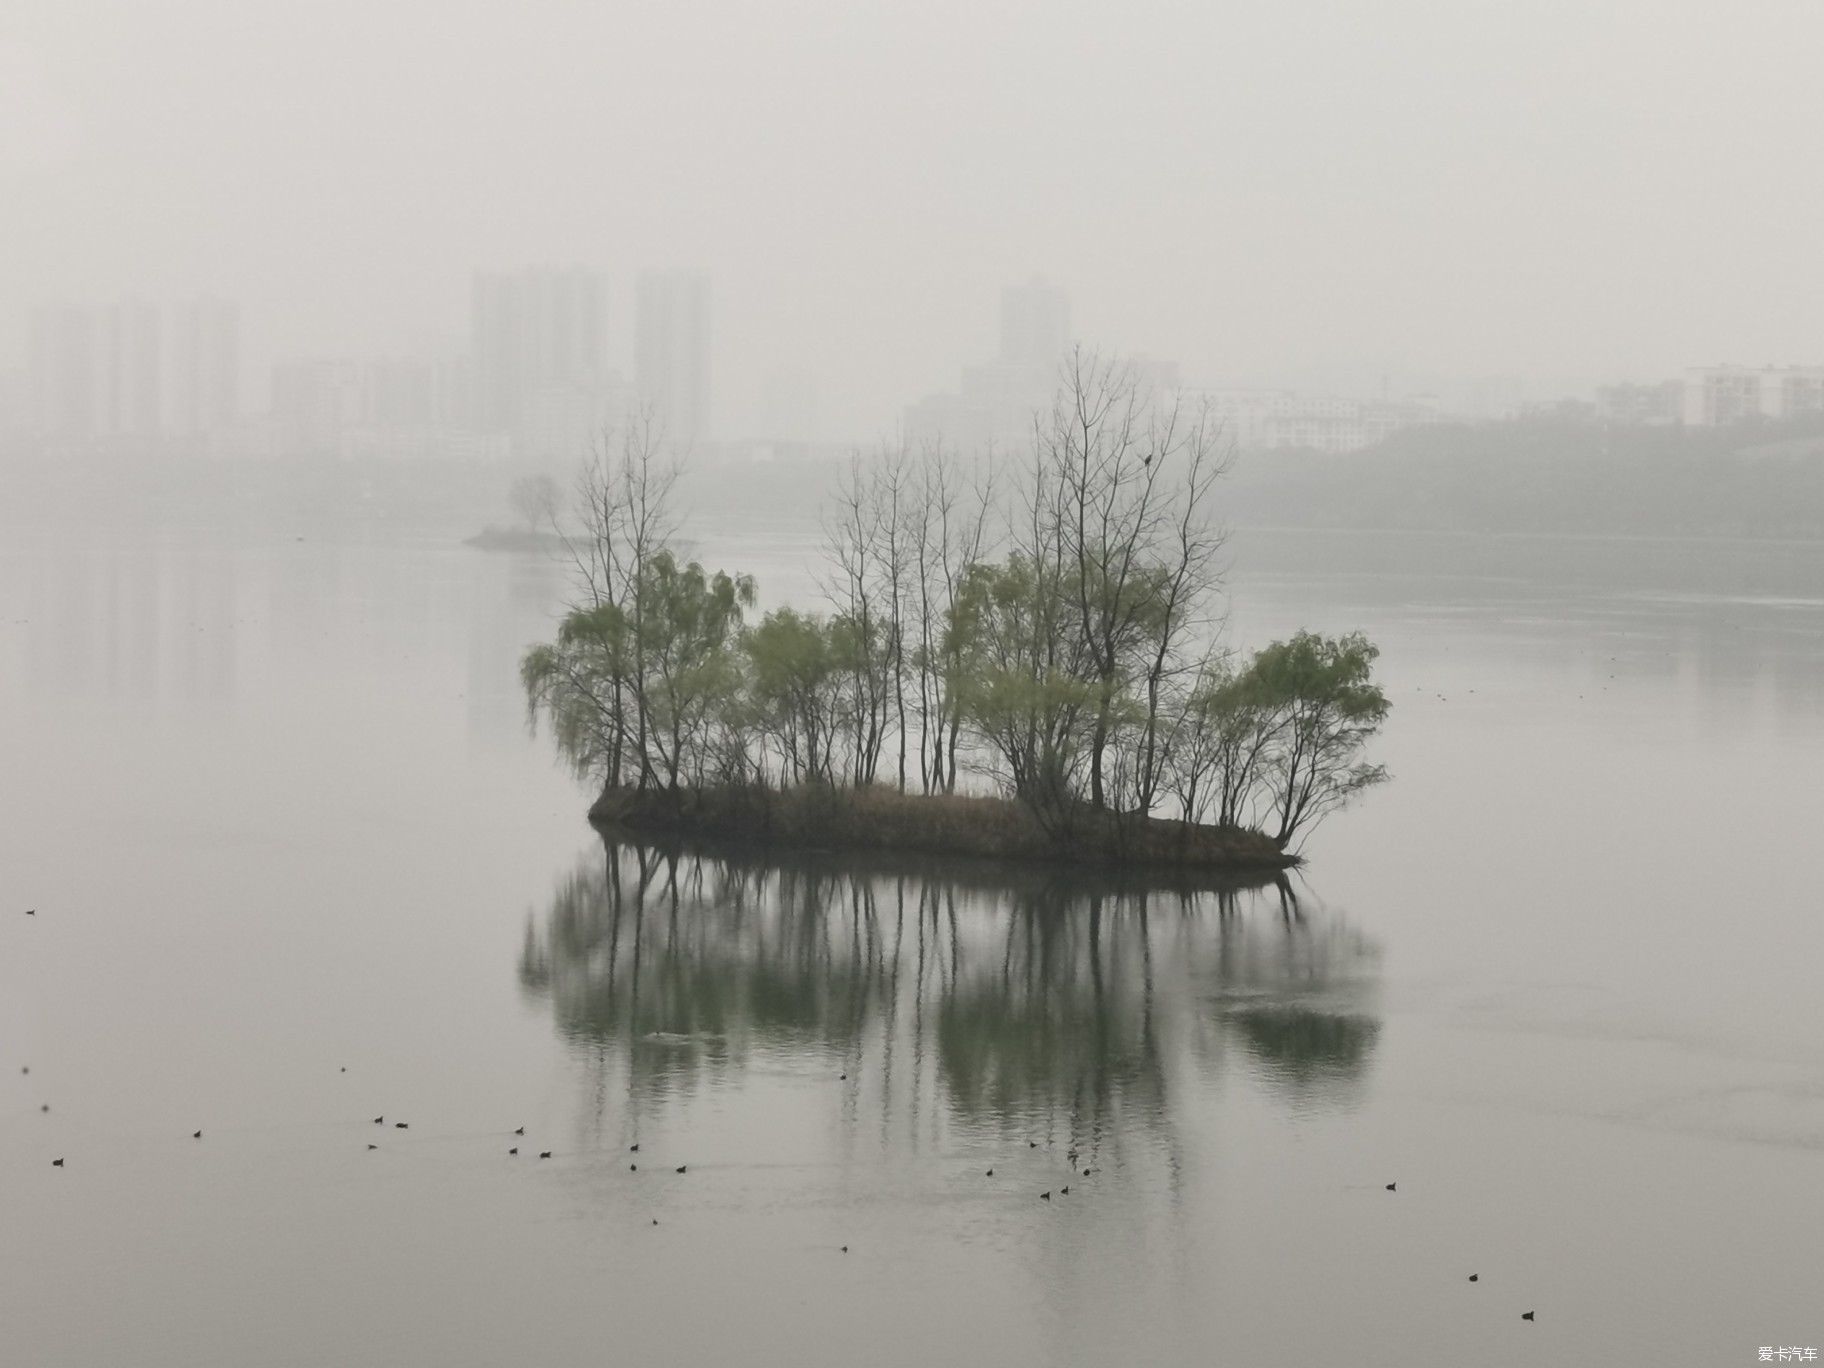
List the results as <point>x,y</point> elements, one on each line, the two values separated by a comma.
<point>1017,667</point>
<point>537,502</point>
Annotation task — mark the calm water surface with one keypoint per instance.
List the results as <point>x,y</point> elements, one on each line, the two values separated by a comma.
<point>275,804</point>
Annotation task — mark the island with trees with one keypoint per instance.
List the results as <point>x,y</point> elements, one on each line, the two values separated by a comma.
<point>537,503</point>
<point>1020,662</point>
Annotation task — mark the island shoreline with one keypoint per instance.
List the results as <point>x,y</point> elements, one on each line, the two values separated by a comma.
<point>881,819</point>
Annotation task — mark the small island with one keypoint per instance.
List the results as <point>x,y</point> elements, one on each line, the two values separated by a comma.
<point>880,818</point>
<point>537,503</point>
<point>1016,665</point>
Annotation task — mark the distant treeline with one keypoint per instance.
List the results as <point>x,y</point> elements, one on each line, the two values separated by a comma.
<point>1543,475</point>
<point>1051,629</point>
<point>1552,475</point>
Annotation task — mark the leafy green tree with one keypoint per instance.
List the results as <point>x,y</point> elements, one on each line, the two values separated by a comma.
<point>666,656</point>
<point>1219,745</point>
<point>1329,708</point>
<point>691,628</point>
<point>795,680</point>
<point>1022,688</point>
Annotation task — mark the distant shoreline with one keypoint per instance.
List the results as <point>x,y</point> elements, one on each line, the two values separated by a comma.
<point>514,539</point>
<point>880,818</point>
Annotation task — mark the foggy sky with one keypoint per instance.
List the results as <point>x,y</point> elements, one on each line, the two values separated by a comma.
<point>1264,191</point>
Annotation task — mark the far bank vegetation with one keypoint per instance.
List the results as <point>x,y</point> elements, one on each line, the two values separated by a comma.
<point>1019,658</point>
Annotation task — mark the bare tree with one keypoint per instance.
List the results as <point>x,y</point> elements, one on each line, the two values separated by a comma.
<point>947,530</point>
<point>537,500</point>
<point>854,537</point>
<point>1118,513</point>
<point>623,502</point>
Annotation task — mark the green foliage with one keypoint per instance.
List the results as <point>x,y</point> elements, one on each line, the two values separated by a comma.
<point>795,679</point>
<point>646,684</point>
<point>1324,692</point>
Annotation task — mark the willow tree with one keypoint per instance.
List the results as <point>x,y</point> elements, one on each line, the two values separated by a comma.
<point>795,681</point>
<point>1329,707</point>
<point>637,685</point>
<point>671,661</point>
<point>1221,744</point>
<point>624,518</point>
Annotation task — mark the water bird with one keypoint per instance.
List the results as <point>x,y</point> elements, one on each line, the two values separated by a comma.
<point>1391,1187</point>
<point>196,1135</point>
<point>373,1147</point>
<point>845,1249</point>
<point>544,1154</point>
<point>1526,1315</point>
<point>1032,1144</point>
<point>633,1149</point>
<point>514,1150</point>
<point>345,1068</point>
<point>655,1220</point>
<point>520,1131</point>
<point>400,1125</point>
<point>379,1120</point>
<point>1475,1277</point>
<point>1044,1196</point>
<point>45,1108</point>
<point>1065,1191</point>
<point>56,1163</point>
<point>843,1078</point>
<point>1086,1173</point>
<point>31,911</point>
<point>633,1168</point>
<point>682,1167</point>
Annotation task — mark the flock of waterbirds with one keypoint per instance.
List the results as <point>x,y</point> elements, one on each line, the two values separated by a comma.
<point>1072,1155</point>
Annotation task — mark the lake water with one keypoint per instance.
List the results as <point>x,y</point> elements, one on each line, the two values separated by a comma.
<point>297,865</point>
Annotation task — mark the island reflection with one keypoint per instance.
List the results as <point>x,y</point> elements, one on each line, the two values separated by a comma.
<point>1009,998</point>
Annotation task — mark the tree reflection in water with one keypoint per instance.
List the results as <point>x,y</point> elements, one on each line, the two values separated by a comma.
<point>1015,999</point>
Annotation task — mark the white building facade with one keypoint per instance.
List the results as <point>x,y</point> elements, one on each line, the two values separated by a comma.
<point>1715,396</point>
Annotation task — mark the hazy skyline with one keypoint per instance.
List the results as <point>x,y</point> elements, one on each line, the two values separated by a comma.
<point>1320,193</point>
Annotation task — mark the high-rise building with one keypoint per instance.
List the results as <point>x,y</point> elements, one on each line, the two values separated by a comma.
<point>1718,395</point>
<point>129,383</point>
<point>530,330</point>
<point>671,351</point>
<point>997,400</point>
<point>205,367</point>
<point>62,368</point>
<point>117,373</point>
<point>315,403</point>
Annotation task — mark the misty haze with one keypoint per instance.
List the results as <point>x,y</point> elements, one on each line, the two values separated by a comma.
<point>835,684</point>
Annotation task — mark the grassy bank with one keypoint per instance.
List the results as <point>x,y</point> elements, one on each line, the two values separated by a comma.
<point>881,819</point>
